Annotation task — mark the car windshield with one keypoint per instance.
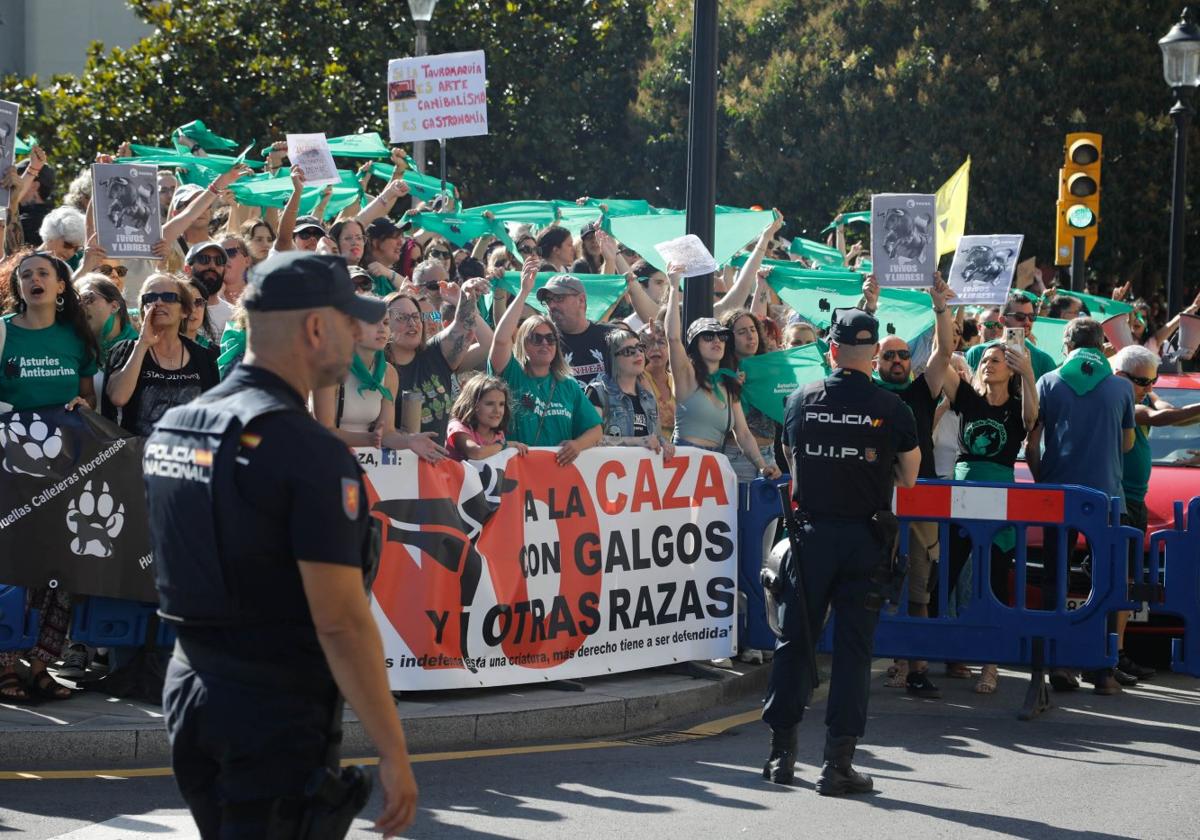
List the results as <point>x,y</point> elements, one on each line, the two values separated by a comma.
<point>1169,444</point>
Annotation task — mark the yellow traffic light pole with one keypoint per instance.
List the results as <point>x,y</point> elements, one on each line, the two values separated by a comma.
<point>1078,206</point>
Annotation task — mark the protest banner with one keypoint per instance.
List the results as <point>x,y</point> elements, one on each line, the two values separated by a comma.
<point>820,255</point>
<point>311,153</point>
<point>126,209</point>
<point>904,239</point>
<point>772,377</point>
<point>952,209</point>
<point>72,505</point>
<point>515,570</point>
<point>9,114</point>
<point>983,268</point>
<point>437,97</point>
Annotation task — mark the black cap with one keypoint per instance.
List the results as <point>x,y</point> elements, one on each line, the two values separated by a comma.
<point>383,227</point>
<point>303,280</point>
<point>853,327</point>
<point>590,228</point>
<point>308,223</point>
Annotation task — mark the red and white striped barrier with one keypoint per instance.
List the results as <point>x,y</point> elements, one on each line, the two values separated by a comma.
<point>990,503</point>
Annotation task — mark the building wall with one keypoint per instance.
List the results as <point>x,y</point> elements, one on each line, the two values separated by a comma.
<point>45,37</point>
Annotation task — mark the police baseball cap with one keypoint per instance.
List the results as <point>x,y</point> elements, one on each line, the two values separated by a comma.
<point>560,284</point>
<point>201,247</point>
<point>704,325</point>
<point>853,327</point>
<point>303,280</point>
<point>383,227</point>
<point>308,223</point>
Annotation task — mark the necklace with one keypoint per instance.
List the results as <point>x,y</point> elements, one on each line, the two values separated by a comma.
<point>154,355</point>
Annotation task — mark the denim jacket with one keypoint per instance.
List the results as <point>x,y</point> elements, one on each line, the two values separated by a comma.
<point>617,407</point>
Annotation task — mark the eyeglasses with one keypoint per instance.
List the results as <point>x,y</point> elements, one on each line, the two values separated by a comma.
<point>1021,316</point>
<point>992,325</point>
<point>233,252</point>
<point>155,297</point>
<point>1140,380</point>
<point>437,253</point>
<point>309,233</point>
<point>199,301</point>
<point>631,350</point>
<point>551,297</point>
<point>110,270</point>
<point>207,259</point>
<point>405,318</point>
<point>547,338</point>
<point>902,355</point>
<point>711,336</point>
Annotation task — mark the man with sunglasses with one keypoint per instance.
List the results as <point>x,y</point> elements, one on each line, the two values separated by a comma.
<point>584,341</point>
<point>990,325</point>
<point>893,372</point>
<point>1019,311</point>
<point>206,262</point>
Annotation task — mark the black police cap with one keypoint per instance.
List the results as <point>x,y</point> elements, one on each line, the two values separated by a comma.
<point>294,280</point>
<point>849,325</point>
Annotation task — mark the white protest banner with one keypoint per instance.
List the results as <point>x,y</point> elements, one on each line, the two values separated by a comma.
<point>904,239</point>
<point>9,114</point>
<point>311,153</point>
<point>689,252</point>
<point>515,570</point>
<point>436,97</point>
<point>983,268</point>
<point>126,209</point>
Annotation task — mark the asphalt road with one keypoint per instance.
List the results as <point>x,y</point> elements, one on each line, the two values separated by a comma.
<point>963,767</point>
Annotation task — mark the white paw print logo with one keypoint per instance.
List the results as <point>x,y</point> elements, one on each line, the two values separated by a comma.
<point>95,519</point>
<point>29,445</point>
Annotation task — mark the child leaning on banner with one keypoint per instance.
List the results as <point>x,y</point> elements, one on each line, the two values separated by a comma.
<point>479,420</point>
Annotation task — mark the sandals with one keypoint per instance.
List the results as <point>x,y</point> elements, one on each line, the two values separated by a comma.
<point>988,679</point>
<point>12,689</point>
<point>897,678</point>
<point>48,688</point>
<point>958,671</point>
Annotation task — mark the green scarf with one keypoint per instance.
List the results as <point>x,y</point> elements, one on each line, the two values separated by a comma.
<point>889,386</point>
<point>107,344</point>
<point>714,379</point>
<point>370,381</point>
<point>1084,369</point>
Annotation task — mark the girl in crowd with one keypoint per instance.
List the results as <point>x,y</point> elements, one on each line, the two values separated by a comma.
<point>550,407</point>
<point>161,368</point>
<point>799,334</point>
<point>237,269</point>
<point>259,236</point>
<point>657,377</point>
<point>707,391</point>
<point>629,410</point>
<point>104,308</point>
<point>996,409</point>
<point>198,325</point>
<point>479,420</point>
<point>45,332</point>
<point>350,237</point>
<point>749,340</point>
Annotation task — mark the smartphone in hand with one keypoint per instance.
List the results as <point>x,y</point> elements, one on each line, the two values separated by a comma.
<point>1014,338</point>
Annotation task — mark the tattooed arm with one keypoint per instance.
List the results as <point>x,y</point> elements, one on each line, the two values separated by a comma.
<point>458,337</point>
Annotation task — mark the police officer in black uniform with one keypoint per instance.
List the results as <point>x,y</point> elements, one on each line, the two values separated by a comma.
<point>848,443</point>
<point>261,540</point>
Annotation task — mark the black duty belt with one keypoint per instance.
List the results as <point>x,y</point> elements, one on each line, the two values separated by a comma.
<point>207,659</point>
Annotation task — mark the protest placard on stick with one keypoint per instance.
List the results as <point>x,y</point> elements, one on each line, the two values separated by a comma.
<point>126,209</point>
<point>983,268</point>
<point>311,153</point>
<point>904,239</point>
<point>436,97</point>
<point>9,113</point>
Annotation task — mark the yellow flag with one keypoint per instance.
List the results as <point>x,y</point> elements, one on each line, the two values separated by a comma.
<point>952,209</point>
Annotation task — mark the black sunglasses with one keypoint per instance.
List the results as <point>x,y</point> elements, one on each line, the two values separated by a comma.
<point>440,254</point>
<point>233,252</point>
<point>155,297</point>
<point>631,350</point>
<point>711,336</point>
<point>310,233</point>
<point>1145,382</point>
<point>902,355</point>
<point>525,249</point>
<point>210,259</point>
<point>543,338</point>
<point>1021,316</point>
<point>110,270</point>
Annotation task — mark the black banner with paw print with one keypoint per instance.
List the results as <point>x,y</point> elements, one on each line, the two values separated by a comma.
<point>72,505</point>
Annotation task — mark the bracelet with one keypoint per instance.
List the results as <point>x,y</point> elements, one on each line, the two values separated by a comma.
<point>35,171</point>
<point>939,311</point>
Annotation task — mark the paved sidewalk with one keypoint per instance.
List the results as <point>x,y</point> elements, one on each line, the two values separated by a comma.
<point>96,731</point>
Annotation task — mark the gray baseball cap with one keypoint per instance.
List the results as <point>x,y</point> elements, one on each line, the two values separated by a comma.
<point>561,284</point>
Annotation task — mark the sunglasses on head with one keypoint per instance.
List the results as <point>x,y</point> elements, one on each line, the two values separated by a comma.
<point>310,233</point>
<point>210,259</point>
<point>164,297</point>
<point>547,338</point>
<point>1145,382</point>
<point>631,350</point>
<point>110,270</point>
<point>902,355</point>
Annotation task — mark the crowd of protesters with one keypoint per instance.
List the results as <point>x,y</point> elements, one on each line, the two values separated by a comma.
<point>460,368</point>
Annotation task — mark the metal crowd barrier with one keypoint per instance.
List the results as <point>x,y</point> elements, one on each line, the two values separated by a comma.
<point>1172,583</point>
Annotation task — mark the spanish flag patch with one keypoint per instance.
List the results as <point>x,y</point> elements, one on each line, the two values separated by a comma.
<point>250,441</point>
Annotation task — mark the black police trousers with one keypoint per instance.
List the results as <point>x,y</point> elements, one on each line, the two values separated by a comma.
<point>835,566</point>
<point>241,753</point>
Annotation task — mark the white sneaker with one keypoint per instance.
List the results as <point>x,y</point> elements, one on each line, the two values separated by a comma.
<point>724,662</point>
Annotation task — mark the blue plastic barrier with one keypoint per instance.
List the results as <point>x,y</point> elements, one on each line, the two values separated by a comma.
<point>18,631</point>
<point>1174,577</point>
<point>987,630</point>
<point>758,508</point>
<point>107,622</point>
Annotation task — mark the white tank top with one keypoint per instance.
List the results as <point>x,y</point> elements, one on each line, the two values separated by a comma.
<point>359,411</point>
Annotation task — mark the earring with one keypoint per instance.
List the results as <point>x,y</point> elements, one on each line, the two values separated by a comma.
<point>58,303</point>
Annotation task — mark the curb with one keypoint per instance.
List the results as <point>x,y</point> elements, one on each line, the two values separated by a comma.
<point>437,721</point>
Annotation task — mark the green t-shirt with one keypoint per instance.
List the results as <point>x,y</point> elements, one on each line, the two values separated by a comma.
<point>383,286</point>
<point>1042,361</point>
<point>42,367</point>
<point>567,410</point>
<point>1135,477</point>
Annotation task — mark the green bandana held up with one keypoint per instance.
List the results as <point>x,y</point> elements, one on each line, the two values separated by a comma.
<point>889,386</point>
<point>371,381</point>
<point>714,379</point>
<point>1084,369</point>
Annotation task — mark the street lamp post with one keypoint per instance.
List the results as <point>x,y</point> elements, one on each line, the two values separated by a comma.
<point>422,13</point>
<point>1181,69</point>
<point>702,152</point>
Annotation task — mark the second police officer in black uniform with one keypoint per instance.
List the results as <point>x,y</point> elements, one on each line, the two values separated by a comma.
<point>261,540</point>
<point>849,443</point>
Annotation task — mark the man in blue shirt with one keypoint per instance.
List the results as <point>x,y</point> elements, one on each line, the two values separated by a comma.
<point>1086,421</point>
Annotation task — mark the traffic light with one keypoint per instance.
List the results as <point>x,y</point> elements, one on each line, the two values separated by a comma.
<point>1078,195</point>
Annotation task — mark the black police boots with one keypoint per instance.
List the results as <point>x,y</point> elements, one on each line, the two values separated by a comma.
<point>838,778</point>
<point>780,766</point>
